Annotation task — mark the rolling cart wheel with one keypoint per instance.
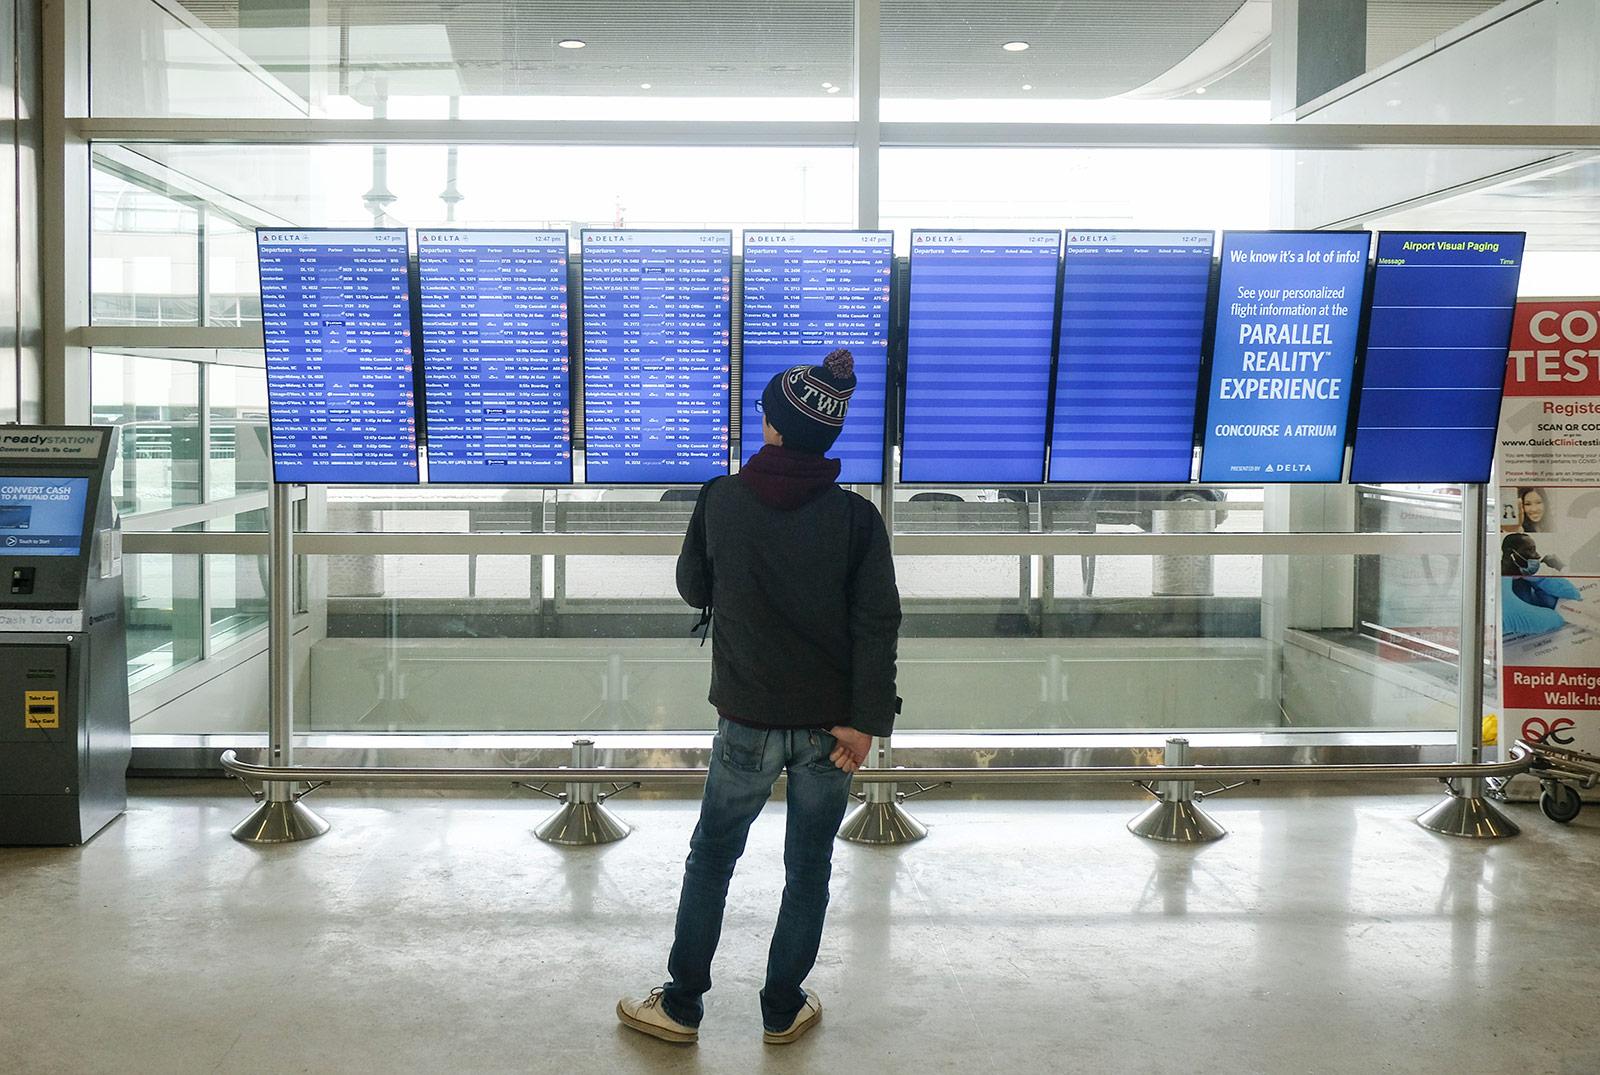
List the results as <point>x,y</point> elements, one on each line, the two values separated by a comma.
<point>1560,803</point>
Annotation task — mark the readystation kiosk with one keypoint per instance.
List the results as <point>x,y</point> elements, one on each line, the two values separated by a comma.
<point>64,742</point>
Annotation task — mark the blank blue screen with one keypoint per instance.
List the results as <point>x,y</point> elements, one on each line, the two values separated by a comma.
<point>1442,306</point>
<point>1288,311</point>
<point>336,316</point>
<point>806,293</point>
<point>979,333</point>
<point>494,363</point>
<point>1133,314</point>
<point>656,317</point>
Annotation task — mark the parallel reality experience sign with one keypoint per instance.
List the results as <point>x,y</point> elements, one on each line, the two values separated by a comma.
<point>1288,310</point>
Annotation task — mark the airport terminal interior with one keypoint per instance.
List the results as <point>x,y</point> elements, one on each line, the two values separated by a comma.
<point>235,592</point>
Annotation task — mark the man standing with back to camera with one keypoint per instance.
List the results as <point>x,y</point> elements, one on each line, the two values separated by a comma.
<point>797,578</point>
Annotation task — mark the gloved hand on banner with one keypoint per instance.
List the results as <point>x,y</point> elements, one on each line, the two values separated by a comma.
<point>1527,605</point>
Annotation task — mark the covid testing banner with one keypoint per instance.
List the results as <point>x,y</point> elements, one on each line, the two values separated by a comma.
<point>1549,553</point>
<point>1288,310</point>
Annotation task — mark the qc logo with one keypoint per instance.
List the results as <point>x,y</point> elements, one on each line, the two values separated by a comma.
<point>1539,730</point>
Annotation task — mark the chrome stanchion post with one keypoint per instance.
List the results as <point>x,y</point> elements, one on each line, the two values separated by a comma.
<point>582,820</point>
<point>1467,811</point>
<point>1175,817</point>
<point>880,819</point>
<point>281,817</point>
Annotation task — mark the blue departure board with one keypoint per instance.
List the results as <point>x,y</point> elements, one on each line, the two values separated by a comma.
<point>805,294</point>
<point>1288,312</point>
<point>980,328</point>
<point>1442,306</point>
<point>1133,316</point>
<point>656,326</point>
<point>494,355</point>
<point>336,315</point>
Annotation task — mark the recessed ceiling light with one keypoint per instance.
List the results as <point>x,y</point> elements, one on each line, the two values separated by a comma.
<point>1026,86</point>
<point>1393,102</point>
<point>827,85</point>
<point>1015,46</point>
<point>833,89</point>
<point>644,85</point>
<point>1199,89</point>
<point>571,43</point>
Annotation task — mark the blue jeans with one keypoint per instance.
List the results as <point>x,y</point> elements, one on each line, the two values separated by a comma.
<point>745,762</point>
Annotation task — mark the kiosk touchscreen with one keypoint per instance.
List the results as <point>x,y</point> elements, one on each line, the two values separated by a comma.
<point>64,744</point>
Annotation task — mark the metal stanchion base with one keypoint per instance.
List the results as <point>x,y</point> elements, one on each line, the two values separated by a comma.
<point>1475,818</point>
<point>1176,823</point>
<point>280,823</point>
<point>582,825</point>
<point>881,823</point>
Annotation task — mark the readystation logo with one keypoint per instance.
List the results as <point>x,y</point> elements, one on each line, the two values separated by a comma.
<point>75,445</point>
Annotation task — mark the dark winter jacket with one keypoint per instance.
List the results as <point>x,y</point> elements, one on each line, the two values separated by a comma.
<point>806,615</point>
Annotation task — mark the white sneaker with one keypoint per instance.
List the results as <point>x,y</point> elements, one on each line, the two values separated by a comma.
<point>810,1015</point>
<point>647,1017</point>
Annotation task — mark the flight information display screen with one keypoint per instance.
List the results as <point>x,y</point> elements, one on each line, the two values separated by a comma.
<point>1133,315</point>
<point>980,329</point>
<point>336,315</point>
<point>42,516</point>
<point>656,326</point>
<point>1442,306</point>
<point>805,294</point>
<point>494,355</point>
<point>1288,312</point>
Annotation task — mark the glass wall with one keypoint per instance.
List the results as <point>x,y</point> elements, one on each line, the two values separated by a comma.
<point>191,434</point>
<point>450,625</point>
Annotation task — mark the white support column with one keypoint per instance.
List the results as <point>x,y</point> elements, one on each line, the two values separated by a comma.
<point>868,63</point>
<point>64,210</point>
<point>867,66</point>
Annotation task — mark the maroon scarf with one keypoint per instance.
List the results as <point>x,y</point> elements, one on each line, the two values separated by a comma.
<point>786,479</point>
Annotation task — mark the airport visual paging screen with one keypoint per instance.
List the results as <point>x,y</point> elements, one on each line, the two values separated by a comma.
<point>1288,312</point>
<point>1442,307</point>
<point>805,294</point>
<point>42,516</point>
<point>980,330</point>
<point>656,345</point>
<point>1133,314</point>
<point>494,355</point>
<point>336,317</point>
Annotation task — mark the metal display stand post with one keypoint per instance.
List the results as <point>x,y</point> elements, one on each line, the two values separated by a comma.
<point>583,819</point>
<point>1468,812</point>
<point>880,819</point>
<point>281,817</point>
<point>1175,817</point>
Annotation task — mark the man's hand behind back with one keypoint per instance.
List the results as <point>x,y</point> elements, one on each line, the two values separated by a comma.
<point>851,753</point>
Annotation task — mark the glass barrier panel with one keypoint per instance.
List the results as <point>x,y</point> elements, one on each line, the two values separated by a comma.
<point>147,60</point>
<point>723,60</point>
<point>163,600</point>
<point>144,255</point>
<point>579,186</point>
<point>155,406</point>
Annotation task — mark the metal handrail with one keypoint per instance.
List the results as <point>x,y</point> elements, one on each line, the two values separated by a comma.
<point>1522,758</point>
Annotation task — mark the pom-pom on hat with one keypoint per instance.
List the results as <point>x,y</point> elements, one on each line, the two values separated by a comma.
<point>807,404</point>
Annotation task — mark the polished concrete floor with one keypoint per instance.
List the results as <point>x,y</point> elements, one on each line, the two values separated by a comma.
<point>425,933</point>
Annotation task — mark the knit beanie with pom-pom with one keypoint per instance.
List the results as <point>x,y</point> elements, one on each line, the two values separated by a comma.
<point>807,404</point>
